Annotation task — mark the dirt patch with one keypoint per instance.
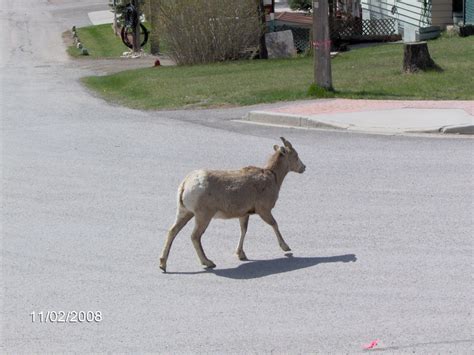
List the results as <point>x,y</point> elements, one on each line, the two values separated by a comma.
<point>115,65</point>
<point>67,38</point>
<point>105,66</point>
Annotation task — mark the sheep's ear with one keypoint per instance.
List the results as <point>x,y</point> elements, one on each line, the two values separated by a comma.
<point>275,147</point>
<point>283,151</point>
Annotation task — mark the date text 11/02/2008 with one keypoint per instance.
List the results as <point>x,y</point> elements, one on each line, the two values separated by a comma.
<point>66,317</point>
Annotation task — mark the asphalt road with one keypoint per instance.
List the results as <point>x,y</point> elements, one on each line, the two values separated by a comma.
<point>380,226</point>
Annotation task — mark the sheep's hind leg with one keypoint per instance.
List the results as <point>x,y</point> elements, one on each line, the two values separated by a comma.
<point>268,217</point>
<point>201,224</point>
<point>244,222</point>
<point>183,216</point>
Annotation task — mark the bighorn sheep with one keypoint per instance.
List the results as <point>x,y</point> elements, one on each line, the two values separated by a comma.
<point>208,194</point>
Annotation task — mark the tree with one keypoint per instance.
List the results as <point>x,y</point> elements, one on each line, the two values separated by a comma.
<point>301,5</point>
<point>121,7</point>
<point>136,34</point>
<point>128,13</point>
<point>263,54</point>
<point>154,6</point>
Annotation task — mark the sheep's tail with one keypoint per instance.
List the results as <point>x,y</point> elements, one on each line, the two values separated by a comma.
<point>180,194</point>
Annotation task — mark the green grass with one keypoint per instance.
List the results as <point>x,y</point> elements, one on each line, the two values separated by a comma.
<point>374,73</point>
<point>101,42</point>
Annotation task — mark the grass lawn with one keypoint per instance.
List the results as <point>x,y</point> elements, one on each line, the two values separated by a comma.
<point>101,42</point>
<point>373,72</point>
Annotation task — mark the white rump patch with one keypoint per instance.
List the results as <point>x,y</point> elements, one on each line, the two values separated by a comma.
<point>196,185</point>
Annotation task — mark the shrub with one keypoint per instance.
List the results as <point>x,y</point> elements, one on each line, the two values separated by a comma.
<point>204,31</point>
<point>302,5</point>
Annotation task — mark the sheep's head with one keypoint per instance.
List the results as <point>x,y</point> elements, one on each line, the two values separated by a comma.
<point>290,153</point>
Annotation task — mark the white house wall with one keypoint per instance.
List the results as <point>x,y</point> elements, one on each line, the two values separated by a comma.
<point>407,11</point>
<point>410,12</point>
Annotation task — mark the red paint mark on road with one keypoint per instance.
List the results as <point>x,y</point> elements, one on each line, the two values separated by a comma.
<point>372,345</point>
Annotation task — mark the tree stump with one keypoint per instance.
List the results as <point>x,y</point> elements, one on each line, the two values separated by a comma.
<point>417,58</point>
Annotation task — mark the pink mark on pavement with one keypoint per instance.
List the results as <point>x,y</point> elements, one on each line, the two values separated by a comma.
<point>372,345</point>
<point>347,105</point>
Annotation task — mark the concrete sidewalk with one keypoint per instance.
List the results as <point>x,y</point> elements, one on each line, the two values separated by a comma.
<point>387,116</point>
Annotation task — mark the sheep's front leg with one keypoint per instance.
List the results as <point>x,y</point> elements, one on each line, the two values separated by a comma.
<point>199,229</point>
<point>244,222</point>
<point>268,217</point>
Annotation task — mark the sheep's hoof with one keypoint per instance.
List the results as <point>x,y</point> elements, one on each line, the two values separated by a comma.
<point>209,264</point>
<point>162,265</point>
<point>241,255</point>
<point>285,247</point>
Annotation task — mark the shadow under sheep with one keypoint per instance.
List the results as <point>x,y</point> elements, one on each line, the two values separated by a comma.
<point>254,269</point>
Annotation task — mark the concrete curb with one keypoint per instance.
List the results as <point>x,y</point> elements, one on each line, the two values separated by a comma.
<point>286,119</point>
<point>458,129</point>
<point>291,120</point>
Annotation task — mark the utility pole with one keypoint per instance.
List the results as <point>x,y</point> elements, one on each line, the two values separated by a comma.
<point>322,45</point>
<point>136,30</point>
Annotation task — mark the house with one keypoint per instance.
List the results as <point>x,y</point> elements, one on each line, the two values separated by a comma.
<point>345,24</point>
<point>469,12</point>
<point>300,24</point>
<point>419,19</point>
<point>463,12</point>
<point>294,19</point>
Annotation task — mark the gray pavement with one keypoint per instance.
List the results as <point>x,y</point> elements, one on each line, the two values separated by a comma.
<point>380,226</point>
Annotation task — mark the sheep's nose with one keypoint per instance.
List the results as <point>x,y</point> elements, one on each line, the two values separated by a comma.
<point>303,168</point>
